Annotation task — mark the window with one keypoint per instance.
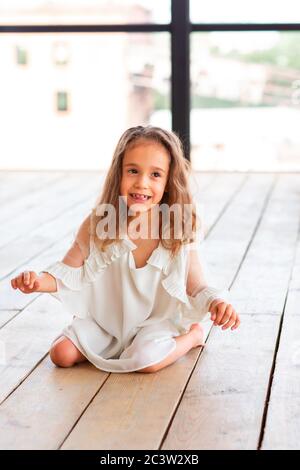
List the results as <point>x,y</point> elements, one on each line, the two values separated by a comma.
<point>62,101</point>
<point>113,81</point>
<point>85,12</point>
<point>61,53</point>
<point>21,55</point>
<point>229,71</point>
<point>245,100</point>
<point>247,11</point>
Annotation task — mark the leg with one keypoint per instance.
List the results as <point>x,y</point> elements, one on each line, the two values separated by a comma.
<point>64,353</point>
<point>184,343</point>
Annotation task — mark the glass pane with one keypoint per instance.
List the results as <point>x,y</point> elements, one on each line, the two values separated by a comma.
<point>245,100</point>
<point>77,93</point>
<point>247,11</point>
<point>62,101</point>
<point>21,56</point>
<point>84,11</point>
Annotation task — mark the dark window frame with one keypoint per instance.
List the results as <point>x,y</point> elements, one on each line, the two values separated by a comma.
<point>180,29</point>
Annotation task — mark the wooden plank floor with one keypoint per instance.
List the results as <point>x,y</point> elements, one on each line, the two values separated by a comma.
<point>240,392</point>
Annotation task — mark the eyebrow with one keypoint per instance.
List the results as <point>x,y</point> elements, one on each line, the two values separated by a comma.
<point>153,167</point>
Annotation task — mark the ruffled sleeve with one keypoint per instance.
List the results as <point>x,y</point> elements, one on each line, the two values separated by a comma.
<point>74,283</point>
<point>187,282</point>
<point>200,303</point>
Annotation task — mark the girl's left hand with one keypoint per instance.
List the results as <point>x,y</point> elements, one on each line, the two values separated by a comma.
<point>224,314</point>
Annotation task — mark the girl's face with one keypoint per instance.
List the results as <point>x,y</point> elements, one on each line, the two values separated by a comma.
<point>145,170</point>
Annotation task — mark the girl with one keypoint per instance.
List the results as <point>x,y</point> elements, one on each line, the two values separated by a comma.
<point>136,305</point>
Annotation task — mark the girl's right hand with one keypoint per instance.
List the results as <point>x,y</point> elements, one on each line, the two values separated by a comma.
<point>27,282</point>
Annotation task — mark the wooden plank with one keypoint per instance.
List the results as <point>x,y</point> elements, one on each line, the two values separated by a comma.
<point>223,404</point>
<point>292,305</point>
<point>229,239</point>
<point>21,251</point>
<point>7,315</point>
<point>38,206</point>
<point>17,184</point>
<point>282,428</point>
<point>28,422</point>
<point>35,208</point>
<point>213,201</point>
<point>27,200</point>
<point>27,339</point>
<point>133,410</point>
<point>14,299</point>
<point>228,388</point>
<point>270,258</point>
<point>12,375</point>
<point>138,426</point>
<point>200,182</point>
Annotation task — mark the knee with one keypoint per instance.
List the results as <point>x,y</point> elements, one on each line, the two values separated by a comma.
<point>63,353</point>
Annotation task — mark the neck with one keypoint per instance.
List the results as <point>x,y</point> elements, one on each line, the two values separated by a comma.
<point>142,225</point>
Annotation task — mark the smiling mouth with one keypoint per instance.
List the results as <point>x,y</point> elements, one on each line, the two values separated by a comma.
<point>139,197</point>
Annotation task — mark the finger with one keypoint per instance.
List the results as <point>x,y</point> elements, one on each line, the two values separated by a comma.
<point>13,283</point>
<point>32,280</point>
<point>26,278</point>
<point>19,281</point>
<point>32,287</point>
<point>230,322</point>
<point>214,312</point>
<point>21,284</point>
<point>237,324</point>
<point>213,309</point>
<point>29,289</point>
<point>227,315</point>
<point>221,309</point>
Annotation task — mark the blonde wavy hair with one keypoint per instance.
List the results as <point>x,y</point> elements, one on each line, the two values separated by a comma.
<point>178,191</point>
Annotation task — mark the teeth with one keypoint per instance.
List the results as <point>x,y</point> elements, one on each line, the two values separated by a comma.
<point>139,196</point>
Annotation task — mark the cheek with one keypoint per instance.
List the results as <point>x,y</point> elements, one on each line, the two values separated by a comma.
<point>161,187</point>
<point>159,190</point>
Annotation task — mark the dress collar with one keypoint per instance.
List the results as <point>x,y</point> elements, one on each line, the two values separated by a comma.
<point>159,257</point>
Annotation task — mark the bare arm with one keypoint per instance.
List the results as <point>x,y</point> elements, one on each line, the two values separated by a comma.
<point>29,282</point>
<point>196,282</point>
<point>195,276</point>
<point>206,298</point>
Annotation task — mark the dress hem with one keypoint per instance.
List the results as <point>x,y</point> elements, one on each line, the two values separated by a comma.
<point>118,371</point>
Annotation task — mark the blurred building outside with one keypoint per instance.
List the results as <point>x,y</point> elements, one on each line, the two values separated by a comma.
<point>66,97</point>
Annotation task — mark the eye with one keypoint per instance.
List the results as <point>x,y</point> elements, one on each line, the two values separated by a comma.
<point>156,173</point>
<point>131,169</point>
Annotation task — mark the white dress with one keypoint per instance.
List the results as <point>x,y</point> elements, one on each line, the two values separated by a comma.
<point>125,318</point>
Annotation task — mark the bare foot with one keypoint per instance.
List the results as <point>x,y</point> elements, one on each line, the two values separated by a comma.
<point>197,330</point>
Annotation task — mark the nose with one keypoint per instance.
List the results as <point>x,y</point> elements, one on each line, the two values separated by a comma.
<point>142,181</point>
